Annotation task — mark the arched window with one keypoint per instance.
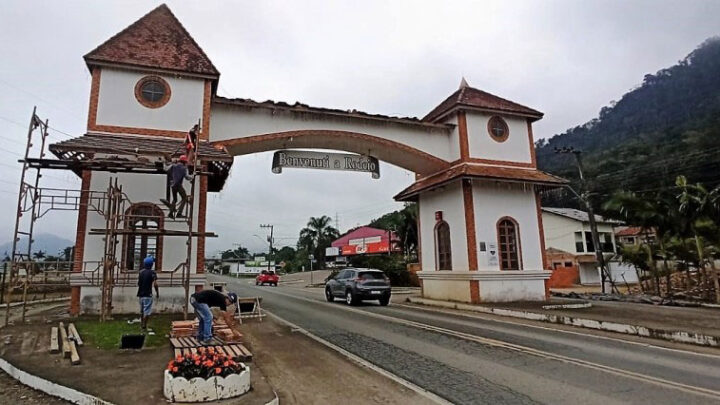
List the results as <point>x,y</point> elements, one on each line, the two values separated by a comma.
<point>442,246</point>
<point>143,216</point>
<point>509,244</point>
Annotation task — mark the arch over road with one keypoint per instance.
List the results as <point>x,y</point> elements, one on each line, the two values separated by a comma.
<point>386,150</point>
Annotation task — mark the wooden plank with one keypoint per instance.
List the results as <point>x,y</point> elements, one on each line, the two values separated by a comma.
<point>226,351</point>
<point>193,351</point>
<point>74,355</point>
<point>174,342</point>
<point>75,334</point>
<point>178,352</point>
<point>186,342</point>
<point>236,351</point>
<point>54,336</point>
<point>64,341</point>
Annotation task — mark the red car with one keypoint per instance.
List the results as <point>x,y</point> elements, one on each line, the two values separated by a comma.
<point>267,277</point>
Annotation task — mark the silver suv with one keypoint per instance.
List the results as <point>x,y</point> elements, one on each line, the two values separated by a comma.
<point>355,285</point>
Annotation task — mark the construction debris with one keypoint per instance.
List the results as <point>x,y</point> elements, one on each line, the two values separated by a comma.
<point>67,340</point>
<point>183,329</point>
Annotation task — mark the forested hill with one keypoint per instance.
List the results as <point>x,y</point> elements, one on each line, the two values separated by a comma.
<point>669,125</point>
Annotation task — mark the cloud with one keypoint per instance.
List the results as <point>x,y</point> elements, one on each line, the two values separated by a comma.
<point>565,58</point>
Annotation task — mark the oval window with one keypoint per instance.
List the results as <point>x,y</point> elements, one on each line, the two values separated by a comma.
<point>152,91</point>
<point>498,129</point>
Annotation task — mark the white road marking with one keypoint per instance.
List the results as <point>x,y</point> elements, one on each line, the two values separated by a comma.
<point>524,349</point>
<point>493,318</point>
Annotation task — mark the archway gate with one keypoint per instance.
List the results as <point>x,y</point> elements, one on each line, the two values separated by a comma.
<point>473,155</point>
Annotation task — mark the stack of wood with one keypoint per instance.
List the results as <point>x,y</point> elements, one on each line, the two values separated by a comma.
<point>190,329</point>
<point>67,341</point>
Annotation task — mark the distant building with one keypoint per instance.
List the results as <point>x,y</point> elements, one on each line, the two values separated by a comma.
<point>364,240</point>
<point>634,235</point>
<point>569,243</point>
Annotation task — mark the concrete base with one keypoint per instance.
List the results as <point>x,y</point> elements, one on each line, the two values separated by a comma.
<point>125,300</point>
<point>485,286</point>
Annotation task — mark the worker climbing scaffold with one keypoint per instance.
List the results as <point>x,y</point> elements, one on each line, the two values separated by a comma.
<point>124,237</point>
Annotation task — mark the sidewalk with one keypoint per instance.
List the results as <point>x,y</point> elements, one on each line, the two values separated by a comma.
<point>700,326</point>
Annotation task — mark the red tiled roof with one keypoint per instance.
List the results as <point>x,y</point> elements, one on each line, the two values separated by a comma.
<point>481,171</point>
<point>467,96</point>
<point>362,232</point>
<point>157,40</point>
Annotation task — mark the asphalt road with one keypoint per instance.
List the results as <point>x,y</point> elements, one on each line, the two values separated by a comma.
<point>475,360</point>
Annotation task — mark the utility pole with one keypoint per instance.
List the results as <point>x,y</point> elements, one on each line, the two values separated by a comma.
<point>270,240</point>
<point>584,197</point>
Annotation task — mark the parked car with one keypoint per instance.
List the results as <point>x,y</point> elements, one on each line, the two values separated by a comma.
<point>355,285</point>
<point>267,277</point>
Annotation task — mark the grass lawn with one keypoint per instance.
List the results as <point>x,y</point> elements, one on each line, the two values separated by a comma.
<point>106,335</point>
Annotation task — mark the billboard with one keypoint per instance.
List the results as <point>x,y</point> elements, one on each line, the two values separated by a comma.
<point>370,245</point>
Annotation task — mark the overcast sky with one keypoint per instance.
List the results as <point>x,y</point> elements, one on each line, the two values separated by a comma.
<point>565,58</point>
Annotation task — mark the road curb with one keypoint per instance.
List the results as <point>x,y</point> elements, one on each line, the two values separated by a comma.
<point>51,388</point>
<point>643,331</point>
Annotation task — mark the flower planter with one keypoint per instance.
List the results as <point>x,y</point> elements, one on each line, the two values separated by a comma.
<point>179,389</point>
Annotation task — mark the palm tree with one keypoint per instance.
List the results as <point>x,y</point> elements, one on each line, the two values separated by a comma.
<point>699,206</point>
<point>641,212</point>
<point>317,235</point>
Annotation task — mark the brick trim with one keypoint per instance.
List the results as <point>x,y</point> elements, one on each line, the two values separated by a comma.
<point>207,102</point>
<point>495,162</point>
<point>433,163</point>
<point>80,233</point>
<point>541,228</point>
<point>138,131</point>
<point>419,236</point>
<point>152,104</point>
<point>505,124</point>
<point>463,135</point>
<point>202,212</point>
<point>470,235</point>
<point>517,235</point>
<point>531,139</point>
<point>474,292</point>
<point>94,97</point>
<point>159,242</point>
<point>82,221</point>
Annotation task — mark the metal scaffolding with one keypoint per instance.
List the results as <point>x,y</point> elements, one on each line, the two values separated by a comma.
<point>113,204</point>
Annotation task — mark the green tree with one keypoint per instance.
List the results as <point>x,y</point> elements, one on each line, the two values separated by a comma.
<point>700,208</point>
<point>316,236</point>
<point>239,252</point>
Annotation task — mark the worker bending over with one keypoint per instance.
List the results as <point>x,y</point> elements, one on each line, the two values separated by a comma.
<point>202,301</point>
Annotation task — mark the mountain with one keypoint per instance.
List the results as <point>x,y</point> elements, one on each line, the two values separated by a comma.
<point>50,244</point>
<point>667,126</point>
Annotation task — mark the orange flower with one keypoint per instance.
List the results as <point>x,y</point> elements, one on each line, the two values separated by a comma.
<point>211,350</point>
<point>218,370</point>
<point>226,364</point>
<point>174,369</point>
<point>197,362</point>
<point>179,358</point>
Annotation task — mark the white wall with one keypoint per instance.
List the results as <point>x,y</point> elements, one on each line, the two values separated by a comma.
<point>229,122</point>
<point>560,232</point>
<point>141,188</point>
<point>515,148</point>
<point>118,106</point>
<point>493,201</point>
<point>449,200</point>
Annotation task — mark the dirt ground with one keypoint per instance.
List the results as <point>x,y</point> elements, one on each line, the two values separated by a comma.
<point>305,372</point>
<point>299,369</point>
<point>118,376</point>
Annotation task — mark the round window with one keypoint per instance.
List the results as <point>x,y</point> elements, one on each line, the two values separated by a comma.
<point>152,91</point>
<point>498,129</point>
